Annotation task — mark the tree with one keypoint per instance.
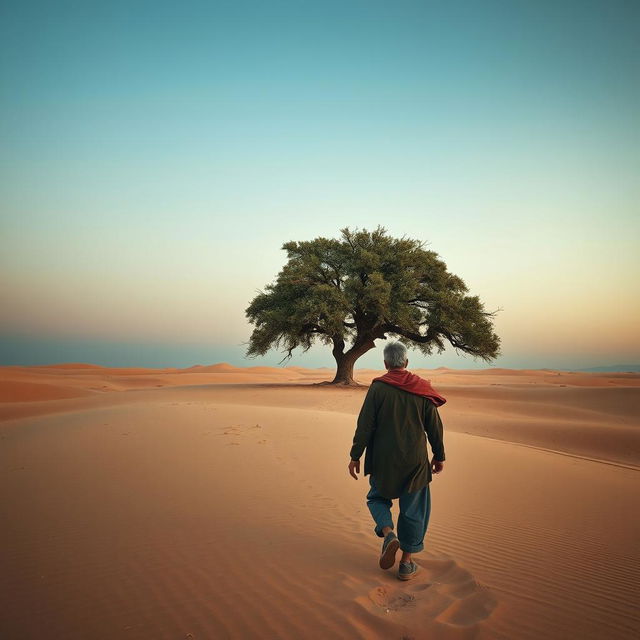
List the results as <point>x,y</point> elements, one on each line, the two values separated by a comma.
<point>365,286</point>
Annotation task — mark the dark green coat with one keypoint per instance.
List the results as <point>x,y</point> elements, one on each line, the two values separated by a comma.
<point>392,426</point>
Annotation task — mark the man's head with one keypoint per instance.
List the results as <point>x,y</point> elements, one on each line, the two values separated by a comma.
<point>395,356</point>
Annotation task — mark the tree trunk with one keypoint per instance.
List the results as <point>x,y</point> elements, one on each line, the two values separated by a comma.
<point>346,361</point>
<point>344,372</point>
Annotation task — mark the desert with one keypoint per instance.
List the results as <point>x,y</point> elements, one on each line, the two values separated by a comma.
<point>214,502</point>
<point>254,250</point>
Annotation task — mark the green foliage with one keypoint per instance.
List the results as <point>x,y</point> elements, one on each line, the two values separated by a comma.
<point>367,286</point>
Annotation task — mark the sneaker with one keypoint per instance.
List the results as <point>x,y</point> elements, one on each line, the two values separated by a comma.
<point>407,570</point>
<point>389,548</point>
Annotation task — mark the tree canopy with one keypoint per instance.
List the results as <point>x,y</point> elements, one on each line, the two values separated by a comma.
<point>364,286</point>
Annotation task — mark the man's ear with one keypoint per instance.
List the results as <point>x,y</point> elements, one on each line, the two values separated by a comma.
<point>406,363</point>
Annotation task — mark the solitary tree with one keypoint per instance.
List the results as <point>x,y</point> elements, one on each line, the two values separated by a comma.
<point>365,286</point>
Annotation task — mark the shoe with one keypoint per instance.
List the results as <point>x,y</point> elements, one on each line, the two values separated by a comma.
<point>407,570</point>
<point>389,548</point>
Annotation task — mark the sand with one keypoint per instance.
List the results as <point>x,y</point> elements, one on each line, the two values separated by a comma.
<point>214,502</point>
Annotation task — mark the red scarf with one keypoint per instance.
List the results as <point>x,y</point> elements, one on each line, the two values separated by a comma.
<point>413,384</point>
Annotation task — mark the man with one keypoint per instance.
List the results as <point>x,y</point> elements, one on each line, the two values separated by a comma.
<point>397,411</point>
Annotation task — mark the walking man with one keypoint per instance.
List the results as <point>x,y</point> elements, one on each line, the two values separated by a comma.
<point>399,408</point>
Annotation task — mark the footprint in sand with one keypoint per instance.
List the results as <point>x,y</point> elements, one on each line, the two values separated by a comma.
<point>391,599</point>
<point>443,594</point>
<point>239,430</point>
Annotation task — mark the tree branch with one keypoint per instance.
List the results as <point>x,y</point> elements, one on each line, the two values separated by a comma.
<point>411,335</point>
<point>313,328</point>
<point>338,346</point>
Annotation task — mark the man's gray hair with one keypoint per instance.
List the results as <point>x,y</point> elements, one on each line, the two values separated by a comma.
<point>395,354</point>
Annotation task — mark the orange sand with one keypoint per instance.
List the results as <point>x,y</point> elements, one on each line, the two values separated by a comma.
<point>214,502</point>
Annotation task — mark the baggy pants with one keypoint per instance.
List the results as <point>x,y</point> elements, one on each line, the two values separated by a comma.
<point>413,519</point>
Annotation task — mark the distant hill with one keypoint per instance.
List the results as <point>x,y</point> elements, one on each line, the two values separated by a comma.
<point>613,367</point>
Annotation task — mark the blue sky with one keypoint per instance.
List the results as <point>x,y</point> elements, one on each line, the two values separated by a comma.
<point>156,156</point>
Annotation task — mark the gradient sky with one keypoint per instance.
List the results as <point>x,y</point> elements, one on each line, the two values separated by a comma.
<point>156,155</point>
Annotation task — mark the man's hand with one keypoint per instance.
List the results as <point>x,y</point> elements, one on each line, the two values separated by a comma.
<point>354,468</point>
<point>437,465</point>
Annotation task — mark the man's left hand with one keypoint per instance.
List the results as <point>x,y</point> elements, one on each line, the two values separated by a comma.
<point>354,468</point>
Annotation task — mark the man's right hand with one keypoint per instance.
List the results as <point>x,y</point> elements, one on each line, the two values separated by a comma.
<point>437,465</point>
<point>354,468</point>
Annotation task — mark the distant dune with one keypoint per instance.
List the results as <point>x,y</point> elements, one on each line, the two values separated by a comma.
<point>213,502</point>
<point>68,365</point>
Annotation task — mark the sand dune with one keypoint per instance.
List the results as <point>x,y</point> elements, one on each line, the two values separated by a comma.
<point>218,506</point>
<point>593,415</point>
<point>25,391</point>
<point>68,365</point>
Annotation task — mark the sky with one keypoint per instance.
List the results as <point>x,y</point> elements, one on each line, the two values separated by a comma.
<point>156,155</point>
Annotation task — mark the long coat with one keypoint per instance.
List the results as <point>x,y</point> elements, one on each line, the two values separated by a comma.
<point>394,426</point>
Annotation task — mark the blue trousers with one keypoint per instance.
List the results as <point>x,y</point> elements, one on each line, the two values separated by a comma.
<point>413,519</point>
